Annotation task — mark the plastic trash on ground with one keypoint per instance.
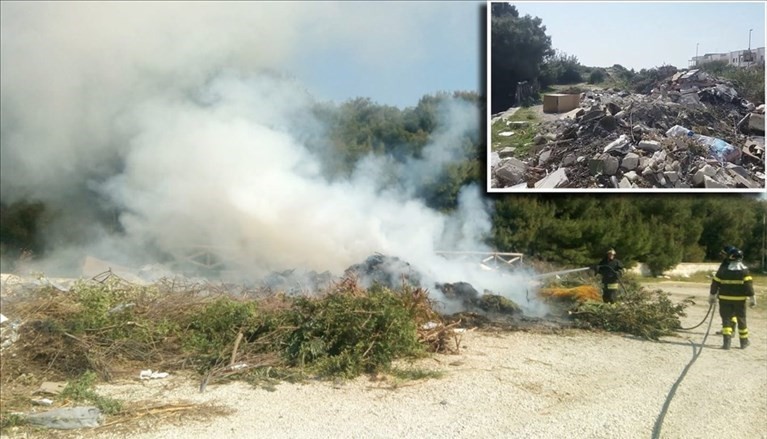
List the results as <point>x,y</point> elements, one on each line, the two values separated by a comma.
<point>719,149</point>
<point>67,418</point>
<point>149,375</point>
<point>678,131</point>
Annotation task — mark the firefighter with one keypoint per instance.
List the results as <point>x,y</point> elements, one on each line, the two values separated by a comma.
<point>725,254</point>
<point>733,285</point>
<point>610,269</point>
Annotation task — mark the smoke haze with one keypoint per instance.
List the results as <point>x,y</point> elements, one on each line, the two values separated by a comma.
<point>182,120</point>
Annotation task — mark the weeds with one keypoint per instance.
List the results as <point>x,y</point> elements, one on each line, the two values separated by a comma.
<point>82,390</point>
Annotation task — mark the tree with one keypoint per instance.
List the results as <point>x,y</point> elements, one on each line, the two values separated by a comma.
<point>518,46</point>
<point>560,68</point>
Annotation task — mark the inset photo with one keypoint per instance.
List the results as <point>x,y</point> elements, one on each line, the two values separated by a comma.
<point>626,97</point>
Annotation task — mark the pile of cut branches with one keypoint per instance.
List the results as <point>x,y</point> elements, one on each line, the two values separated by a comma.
<point>647,314</point>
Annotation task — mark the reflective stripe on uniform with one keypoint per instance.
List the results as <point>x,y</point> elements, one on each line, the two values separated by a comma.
<point>743,333</point>
<point>747,278</point>
<point>726,330</point>
<point>732,282</point>
<point>732,297</point>
<point>612,286</point>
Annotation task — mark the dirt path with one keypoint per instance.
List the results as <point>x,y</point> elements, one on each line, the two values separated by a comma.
<point>579,385</point>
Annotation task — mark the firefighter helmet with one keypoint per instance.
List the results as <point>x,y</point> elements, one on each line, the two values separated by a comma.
<point>735,254</point>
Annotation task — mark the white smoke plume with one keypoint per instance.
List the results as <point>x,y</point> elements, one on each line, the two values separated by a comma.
<point>164,112</point>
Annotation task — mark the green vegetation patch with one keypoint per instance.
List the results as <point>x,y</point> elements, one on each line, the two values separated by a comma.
<point>647,314</point>
<point>522,139</point>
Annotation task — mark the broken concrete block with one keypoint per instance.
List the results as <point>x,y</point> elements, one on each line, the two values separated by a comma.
<point>710,183</point>
<point>507,152</point>
<point>649,145</point>
<point>631,175</point>
<point>544,157</point>
<point>596,166</point>
<point>699,177</point>
<point>511,172</point>
<point>625,183</point>
<point>756,123</point>
<point>610,165</point>
<point>613,108</point>
<point>495,159</point>
<point>671,176</point>
<point>570,132</point>
<point>592,115</point>
<point>735,169</point>
<point>550,136</point>
<point>608,123</point>
<point>759,109</point>
<point>630,161</point>
<point>643,163</point>
<point>573,114</point>
<point>539,139</point>
<point>620,115</point>
<point>67,418</point>
<point>556,179</point>
<point>568,160</point>
<point>745,182</point>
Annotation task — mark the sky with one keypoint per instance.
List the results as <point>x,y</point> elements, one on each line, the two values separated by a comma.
<point>648,34</point>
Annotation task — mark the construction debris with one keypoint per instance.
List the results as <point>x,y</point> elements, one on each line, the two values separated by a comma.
<point>691,130</point>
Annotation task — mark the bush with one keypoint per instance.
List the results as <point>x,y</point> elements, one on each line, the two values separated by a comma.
<point>638,312</point>
<point>347,334</point>
<point>597,76</point>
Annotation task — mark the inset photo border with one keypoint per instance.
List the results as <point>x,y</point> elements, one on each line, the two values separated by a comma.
<point>634,97</point>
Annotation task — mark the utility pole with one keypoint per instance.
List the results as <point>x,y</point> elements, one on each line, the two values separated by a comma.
<point>750,56</point>
<point>696,54</point>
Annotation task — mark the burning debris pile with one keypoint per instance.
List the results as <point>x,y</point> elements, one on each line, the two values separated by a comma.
<point>691,131</point>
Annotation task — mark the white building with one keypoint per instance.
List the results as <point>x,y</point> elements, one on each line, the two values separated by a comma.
<point>737,58</point>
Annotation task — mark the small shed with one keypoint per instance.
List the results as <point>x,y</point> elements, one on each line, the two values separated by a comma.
<point>560,102</point>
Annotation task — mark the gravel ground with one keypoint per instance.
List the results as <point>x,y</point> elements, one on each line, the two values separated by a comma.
<point>521,384</point>
<point>516,385</point>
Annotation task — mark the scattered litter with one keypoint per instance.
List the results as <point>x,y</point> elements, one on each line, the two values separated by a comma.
<point>506,134</point>
<point>3,319</point>
<point>429,325</point>
<point>149,375</point>
<point>67,418</point>
<point>44,401</point>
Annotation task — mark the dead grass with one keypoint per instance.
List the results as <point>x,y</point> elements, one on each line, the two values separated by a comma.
<point>116,329</point>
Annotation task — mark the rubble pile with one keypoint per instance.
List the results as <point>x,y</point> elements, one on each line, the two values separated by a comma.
<point>293,282</point>
<point>691,131</point>
<point>389,271</point>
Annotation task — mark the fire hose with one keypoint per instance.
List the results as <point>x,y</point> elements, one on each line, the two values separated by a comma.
<point>696,350</point>
<point>695,354</point>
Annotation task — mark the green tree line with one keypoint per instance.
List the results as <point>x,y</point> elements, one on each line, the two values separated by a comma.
<point>521,51</point>
<point>660,230</point>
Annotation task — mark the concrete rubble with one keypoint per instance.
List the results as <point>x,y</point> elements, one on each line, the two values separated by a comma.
<point>690,131</point>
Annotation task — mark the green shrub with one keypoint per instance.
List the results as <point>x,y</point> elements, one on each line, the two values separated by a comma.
<point>638,312</point>
<point>347,334</point>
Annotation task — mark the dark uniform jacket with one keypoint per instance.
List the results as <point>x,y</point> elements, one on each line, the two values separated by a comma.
<point>733,282</point>
<point>610,270</point>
